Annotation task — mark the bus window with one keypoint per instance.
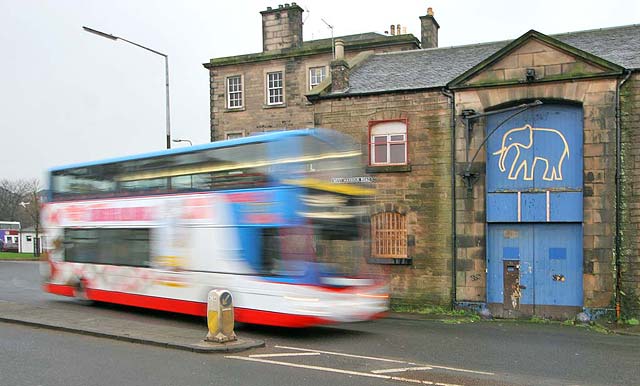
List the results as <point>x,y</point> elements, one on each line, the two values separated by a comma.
<point>129,247</point>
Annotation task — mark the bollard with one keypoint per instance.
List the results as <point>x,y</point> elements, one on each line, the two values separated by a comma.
<point>220,316</point>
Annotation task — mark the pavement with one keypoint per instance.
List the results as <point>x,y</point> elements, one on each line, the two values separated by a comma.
<point>115,328</point>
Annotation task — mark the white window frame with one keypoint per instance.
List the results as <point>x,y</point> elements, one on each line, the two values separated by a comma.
<point>275,89</point>
<point>314,79</point>
<point>235,97</point>
<point>388,133</point>
<point>233,134</point>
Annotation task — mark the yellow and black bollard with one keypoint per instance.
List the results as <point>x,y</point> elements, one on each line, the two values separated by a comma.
<point>220,316</point>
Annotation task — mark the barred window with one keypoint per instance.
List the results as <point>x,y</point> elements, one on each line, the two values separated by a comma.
<point>275,89</point>
<point>234,92</point>
<point>389,235</point>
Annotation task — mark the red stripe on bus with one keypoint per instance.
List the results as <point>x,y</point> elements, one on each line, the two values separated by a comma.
<point>246,315</point>
<point>59,289</point>
<point>243,315</point>
<point>155,303</point>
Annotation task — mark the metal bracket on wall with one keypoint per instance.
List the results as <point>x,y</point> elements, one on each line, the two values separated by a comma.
<point>469,117</point>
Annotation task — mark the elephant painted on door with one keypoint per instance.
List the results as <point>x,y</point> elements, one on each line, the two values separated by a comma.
<point>520,140</point>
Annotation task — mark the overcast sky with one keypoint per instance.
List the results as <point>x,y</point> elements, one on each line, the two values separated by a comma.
<point>68,96</point>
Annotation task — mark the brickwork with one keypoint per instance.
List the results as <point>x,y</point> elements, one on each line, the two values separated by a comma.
<point>597,99</point>
<point>630,219</point>
<point>423,193</point>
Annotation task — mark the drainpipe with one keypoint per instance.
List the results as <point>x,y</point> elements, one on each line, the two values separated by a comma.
<point>619,193</point>
<point>454,250</point>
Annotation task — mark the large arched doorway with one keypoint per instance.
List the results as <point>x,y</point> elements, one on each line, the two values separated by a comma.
<point>534,212</point>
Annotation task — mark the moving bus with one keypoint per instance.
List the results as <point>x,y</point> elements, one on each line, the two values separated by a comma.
<point>265,217</point>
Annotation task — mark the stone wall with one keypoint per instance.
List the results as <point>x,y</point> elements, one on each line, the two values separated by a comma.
<point>256,115</point>
<point>630,219</point>
<point>597,99</point>
<point>423,193</point>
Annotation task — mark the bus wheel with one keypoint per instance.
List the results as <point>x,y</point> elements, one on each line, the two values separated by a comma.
<point>80,292</point>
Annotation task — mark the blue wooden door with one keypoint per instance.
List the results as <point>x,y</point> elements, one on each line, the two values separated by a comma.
<point>550,263</point>
<point>509,242</point>
<point>558,264</point>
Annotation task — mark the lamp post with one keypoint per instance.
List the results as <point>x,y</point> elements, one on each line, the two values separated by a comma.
<point>166,68</point>
<point>184,140</point>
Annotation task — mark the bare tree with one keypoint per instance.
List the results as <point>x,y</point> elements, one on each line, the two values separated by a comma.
<point>12,193</point>
<point>20,201</point>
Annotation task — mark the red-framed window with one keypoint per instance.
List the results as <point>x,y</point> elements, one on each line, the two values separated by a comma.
<point>388,142</point>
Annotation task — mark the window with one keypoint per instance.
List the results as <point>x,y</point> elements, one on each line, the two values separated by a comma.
<point>388,142</point>
<point>275,90</point>
<point>108,246</point>
<point>389,235</point>
<point>233,135</point>
<point>234,92</point>
<point>316,76</point>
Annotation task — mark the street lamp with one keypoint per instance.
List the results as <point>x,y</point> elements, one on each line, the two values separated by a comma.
<point>166,68</point>
<point>184,140</point>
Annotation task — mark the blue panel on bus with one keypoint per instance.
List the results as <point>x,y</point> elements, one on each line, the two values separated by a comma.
<point>265,207</point>
<point>502,207</point>
<point>565,207</point>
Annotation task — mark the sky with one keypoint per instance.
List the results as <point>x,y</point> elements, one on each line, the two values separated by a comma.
<point>69,96</point>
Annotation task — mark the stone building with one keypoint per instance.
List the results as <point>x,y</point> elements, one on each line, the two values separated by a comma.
<point>266,91</point>
<point>507,170</point>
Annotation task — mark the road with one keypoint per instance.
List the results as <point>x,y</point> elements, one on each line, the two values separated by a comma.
<point>390,351</point>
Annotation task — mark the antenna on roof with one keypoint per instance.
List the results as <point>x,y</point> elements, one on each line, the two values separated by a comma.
<point>333,46</point>
<point>306,9</point>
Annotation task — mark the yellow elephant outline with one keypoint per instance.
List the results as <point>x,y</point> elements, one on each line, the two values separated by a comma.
<point>556,174</point>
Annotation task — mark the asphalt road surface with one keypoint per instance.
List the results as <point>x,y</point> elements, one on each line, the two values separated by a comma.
<point>390,351</point>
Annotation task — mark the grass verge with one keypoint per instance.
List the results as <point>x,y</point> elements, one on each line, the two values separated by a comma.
<point>17,256</point>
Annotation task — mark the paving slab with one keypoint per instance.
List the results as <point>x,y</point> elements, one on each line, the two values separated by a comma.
<point>114,328</point>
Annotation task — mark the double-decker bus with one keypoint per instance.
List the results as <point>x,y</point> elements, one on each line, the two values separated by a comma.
<point>260,216</point>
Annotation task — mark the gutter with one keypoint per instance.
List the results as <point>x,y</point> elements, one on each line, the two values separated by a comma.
<point>454,251</point>
<point>618,237</point>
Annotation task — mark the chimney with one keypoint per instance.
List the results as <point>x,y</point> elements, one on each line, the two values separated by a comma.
<point>429,30</point>
<point>339,69</point>
<point>393,29</point>
<point>282,27</point>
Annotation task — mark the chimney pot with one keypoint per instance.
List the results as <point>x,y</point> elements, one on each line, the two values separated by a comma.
<point>280,6</point>
<point>269,8</point>
<point>339,49</point>
<point>286,5</point>
<point>398,29</point>
<point>393,29</point>
<point>429,11</point>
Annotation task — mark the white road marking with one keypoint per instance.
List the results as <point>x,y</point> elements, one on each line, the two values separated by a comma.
<point>329,369</point>
<point>344,355</point>
<point>290,354</point>
<point>387,360</point>
<point>400,370</point>
<point>339,371</point>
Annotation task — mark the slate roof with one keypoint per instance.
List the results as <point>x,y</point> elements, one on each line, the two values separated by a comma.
<point>368,40</point>
<point>421,69</point>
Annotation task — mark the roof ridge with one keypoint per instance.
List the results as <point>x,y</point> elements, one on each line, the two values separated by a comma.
<point>555,36</point>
